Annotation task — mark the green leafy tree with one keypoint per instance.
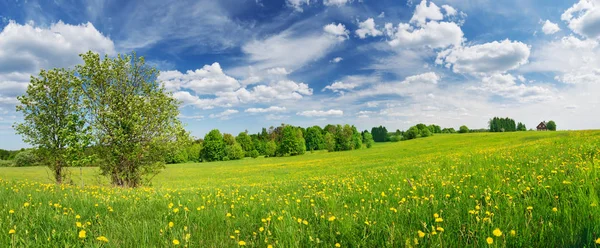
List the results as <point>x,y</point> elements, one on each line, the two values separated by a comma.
<point>356,139</point>
<point>194,151</point>
<point>463,129</point>
<point>368,139</point>
<point>551,125</point>
<point>246,142</point>
<point>521,127</point>
<point>314,138</point>
<point>343,138</point>
<point>54,120</point>
<point>132,116</point>
<point>270,148</point>
<point>234,152</point>
<point>412,133</point>
<point>292,142</point>
<point>214,146</point>
<point>329,142</point>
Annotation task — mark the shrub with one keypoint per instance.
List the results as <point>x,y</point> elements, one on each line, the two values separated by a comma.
<point>234,152</point>
<point>270,148</point>
<point>395,138</point>
<point>412,133</point>
<point>254,154</point>
<point>6,163</point>
<point>463,129</point>
<point>26,158</point>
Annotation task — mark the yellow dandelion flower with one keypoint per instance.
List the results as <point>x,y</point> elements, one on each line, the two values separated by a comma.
<point>171,224</point>
<point>232,237</point>
<point>82,234</point>
<point>421,234</point>
<point>11,211</point>
<point>338,245</point>
<point>176,242</point>
<point>439,229</point>
<point>237,231</point>
<point>242,243</point>
<point>436,215</point>
<point>598,241</point>
<point>26,204</point>
<point>513,232</point>
<point>331,218</point>
<point>554,209</point>
<point>497,232</point>
<point>12,231</point>
<point>530,208</point>
<point>489,240</point>
<point>439,220</point>
<point>102,239</point>
<point>228,215</point>
<point>305,222</point>
<point>261,229</point>
<point>77,217</point>
<point>269,246</point>
<point>175,210</point>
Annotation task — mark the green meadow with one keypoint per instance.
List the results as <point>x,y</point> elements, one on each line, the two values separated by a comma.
<point>520,189</point>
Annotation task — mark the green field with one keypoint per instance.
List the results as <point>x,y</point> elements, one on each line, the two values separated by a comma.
<point>536,188</point>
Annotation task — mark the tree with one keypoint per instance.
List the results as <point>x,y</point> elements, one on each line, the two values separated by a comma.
<point>246,142</point>
<point>329,142</point>
<point>194,152</point>
<point>551,125</point>
<point>412,133</point>
<point>314,138</point>
<point>54,120</point>
<point>356,139</point>
<point>228,139</point>
<point>521,127</point>
<point>270,148</point>
<point>292,142</point>
<point>463,129</point>
<point>234,152</point>
<point>343,138</point>
<point>379,134</point>
<point>132,116</point>
<point>368,139</point>
<point>214,146</point>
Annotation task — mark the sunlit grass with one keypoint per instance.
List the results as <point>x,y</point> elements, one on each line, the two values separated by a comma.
<point>513,189</point>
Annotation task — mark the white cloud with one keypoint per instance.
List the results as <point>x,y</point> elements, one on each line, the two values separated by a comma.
<point>423,13</point>
<point>336,60</point>
<point>575,61</point>
<point>297,4</point>
<point>584,18</point>
<point>367,28</point>
<point>339,31</point>
<point>321,113</point>
<point>207,80</point>
<point>450,11</point>
<point>340,86</point>
<point>225,114</point>
<point>432,34</point>
<point>278,71</point>
<point>550,27</point>
<point>488,58</point>
<point>505,85</point>
<point>266,110</point>
<point>336,2</point>
<point>289,50</point>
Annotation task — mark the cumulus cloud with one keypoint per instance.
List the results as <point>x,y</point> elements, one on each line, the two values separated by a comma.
<point>340,86</point>
<point>505,85</point>
<point>207,80</point>
<point>321,113</point>
<point>574,60</point>
<point>432,34</point>
<point>487,58</point>
<point>336,2</point>
<point>225,114</point>
<point>367,28</point>
<point>265,110</point>
<point>584,18</point>
<point>550,27</point>
<point>450,11</point>
<point>424,12</point>
<point>339,31</point>
<point>278,71</point>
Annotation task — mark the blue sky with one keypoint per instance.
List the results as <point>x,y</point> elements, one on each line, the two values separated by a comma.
<point>245,64</point>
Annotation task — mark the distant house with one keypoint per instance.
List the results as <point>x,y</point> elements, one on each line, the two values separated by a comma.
<point>542,126</point>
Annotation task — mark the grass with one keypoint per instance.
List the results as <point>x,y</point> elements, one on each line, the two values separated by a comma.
<point>541,185</point>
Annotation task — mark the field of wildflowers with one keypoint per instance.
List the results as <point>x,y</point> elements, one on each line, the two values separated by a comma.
<point>524,189</point>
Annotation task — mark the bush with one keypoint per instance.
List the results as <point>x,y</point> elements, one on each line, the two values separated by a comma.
<point>26,158</point>
<point>412,133</point>
<point>270,148</point>
<point>234,152</point>
<point>395,138</point>
<point>551,125</point>
<point>6,163</point>
<point>463,129</point>
<point>254,154</point>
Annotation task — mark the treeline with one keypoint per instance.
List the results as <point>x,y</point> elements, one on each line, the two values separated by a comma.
<point>284,140</point>
<point>381,134</point>
<point>498,124</point>
<point>20,158</point>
